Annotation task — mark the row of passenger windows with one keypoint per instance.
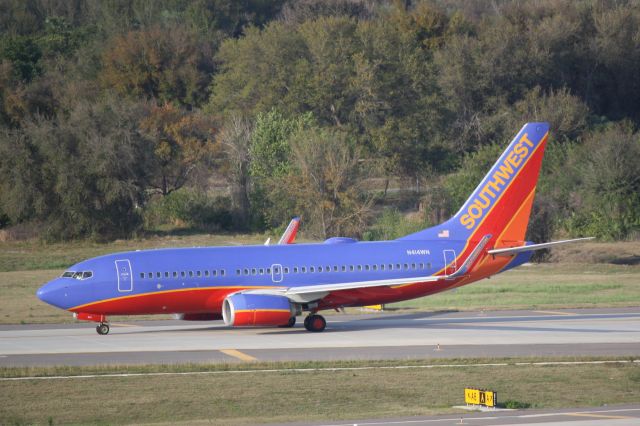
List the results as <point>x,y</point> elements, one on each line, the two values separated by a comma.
<point>336,268</point>
<point>184,274</point>
<point>287,270</point>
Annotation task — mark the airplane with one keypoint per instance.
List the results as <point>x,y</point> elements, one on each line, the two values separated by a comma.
<point>270,285</point>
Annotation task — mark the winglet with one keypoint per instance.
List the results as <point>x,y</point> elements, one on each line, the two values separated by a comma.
<point>289,235</point>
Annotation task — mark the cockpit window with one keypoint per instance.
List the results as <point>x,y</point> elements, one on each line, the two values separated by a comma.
<point>78,275</point>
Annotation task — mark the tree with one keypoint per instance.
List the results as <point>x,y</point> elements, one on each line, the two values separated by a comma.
<point>168,64</point>
<point>81,175</point>
<point>325,184</point>
<point>235,138</point>
<point>180,141</point>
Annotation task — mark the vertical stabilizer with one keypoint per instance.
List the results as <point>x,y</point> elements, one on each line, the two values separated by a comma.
<point>501,203</point>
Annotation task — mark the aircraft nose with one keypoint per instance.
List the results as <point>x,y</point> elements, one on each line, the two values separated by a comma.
<point>51,292</point>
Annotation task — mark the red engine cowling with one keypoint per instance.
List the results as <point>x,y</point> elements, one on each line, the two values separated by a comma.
<point>206,316</point>
<point>246,310</point>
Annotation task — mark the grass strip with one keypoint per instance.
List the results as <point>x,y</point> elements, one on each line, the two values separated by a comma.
<point>328,394</point>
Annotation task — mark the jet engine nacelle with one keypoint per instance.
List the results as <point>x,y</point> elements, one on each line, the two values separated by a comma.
<point>246,310</point>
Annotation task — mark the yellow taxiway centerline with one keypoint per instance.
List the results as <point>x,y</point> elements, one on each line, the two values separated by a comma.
<point>600,416</point>
<point>237,354</point>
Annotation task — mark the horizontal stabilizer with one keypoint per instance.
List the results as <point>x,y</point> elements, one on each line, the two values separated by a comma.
<point>508,251</point>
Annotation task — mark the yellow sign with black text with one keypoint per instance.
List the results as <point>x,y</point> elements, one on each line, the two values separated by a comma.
<point>480,397</point>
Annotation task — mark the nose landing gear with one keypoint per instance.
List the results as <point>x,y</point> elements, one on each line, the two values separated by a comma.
<point>102,328</point>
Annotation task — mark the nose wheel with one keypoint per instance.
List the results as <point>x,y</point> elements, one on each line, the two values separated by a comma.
<point>102,329</point>
<point>315,323</point>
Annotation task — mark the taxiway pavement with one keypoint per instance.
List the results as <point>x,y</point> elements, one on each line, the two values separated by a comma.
<point>621,415</point>
<point>572,332</point>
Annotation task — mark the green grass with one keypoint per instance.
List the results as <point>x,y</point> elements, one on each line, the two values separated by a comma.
<point>34,255</point>
<point>542,286</point>
<point>286,395</point>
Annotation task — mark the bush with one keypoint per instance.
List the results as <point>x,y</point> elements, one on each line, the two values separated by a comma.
<point>391,225</point>
<point>189,209</point>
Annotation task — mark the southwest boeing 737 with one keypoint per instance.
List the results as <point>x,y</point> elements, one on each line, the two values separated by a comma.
<point>269,285</point>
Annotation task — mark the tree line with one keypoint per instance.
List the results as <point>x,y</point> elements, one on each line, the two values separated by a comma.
<point>367,118</point>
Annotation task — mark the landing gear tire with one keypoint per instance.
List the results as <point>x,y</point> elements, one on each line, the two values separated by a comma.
<point>315,323</point>
<point>102,329</point>
<point>291,323</point>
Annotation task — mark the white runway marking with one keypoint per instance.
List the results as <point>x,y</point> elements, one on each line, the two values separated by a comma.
<point>311,370</point>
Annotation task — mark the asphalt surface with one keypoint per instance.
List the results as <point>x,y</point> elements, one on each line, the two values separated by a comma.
<point>624,415</point>
<point>583,332</point>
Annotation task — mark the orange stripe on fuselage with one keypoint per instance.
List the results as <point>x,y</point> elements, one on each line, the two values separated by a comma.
<point>184,300</point>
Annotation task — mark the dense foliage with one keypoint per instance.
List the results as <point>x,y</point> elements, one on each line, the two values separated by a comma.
<point>367,118</point>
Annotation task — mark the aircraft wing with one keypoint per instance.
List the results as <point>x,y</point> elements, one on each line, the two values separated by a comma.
<point>311,293</point>
<point>508,251</point>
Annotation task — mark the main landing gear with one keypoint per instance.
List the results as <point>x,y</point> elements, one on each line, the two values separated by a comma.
<point>315,323</point>
<point>102,328</point>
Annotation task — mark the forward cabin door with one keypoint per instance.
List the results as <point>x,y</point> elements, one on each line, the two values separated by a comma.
<point>276,273</point>
<point>125,278</point>
<point>449,261</point>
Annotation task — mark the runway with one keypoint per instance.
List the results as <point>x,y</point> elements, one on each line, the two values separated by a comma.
<point>583,332</point>
<point>597,416</point>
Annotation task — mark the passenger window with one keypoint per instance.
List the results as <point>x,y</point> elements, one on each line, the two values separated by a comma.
<point>237,271</point>
<point>175,274</point>
<point>150,274</point>
<point>375,267</point>
<point>382,267</point>
<point>268,271</point>
<point>286,270</point>
<point>413,266</point>
<point>429,265</point>
<point>191,273</point>
<point>183,274</point>
<point>261,271</point>
<point>406,266</point>
<point>311,269</point>
<point>254,271</point>
<point>351,268</point>
<point>366,267</point>
<point>222,272</point>
<point>295,269</point>
<point>327,269</point>
<point>319,269</point>
<point>158,274</point>
<point>166,274</point>
<point>214,272</point>
<point>335,269</point>
<point>198,273</point>
<point>141,274</point>
<point>422,266</point>
<point>344,268</point>
<point>398,266</point>
<point>206,273</point>
<point>391,266</point>
<point>246,271</point>
<point>359,267</point>
<point>304,269</point>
